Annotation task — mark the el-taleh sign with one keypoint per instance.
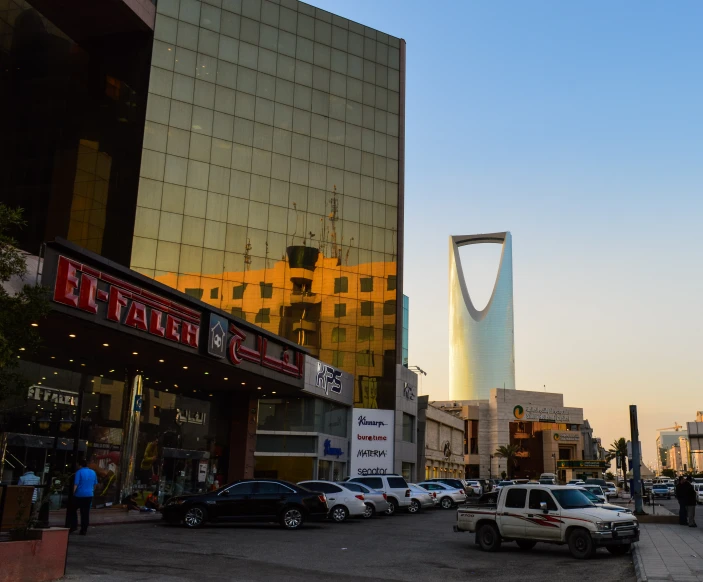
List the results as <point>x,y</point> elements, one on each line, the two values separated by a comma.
<point>86,288</point>
<point>541,413</point>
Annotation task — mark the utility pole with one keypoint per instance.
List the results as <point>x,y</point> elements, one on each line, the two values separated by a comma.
<point>636,479</point>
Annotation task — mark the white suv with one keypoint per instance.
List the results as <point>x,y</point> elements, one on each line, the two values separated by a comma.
<point>394,486</point>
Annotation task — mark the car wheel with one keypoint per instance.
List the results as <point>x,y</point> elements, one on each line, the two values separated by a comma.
<point>618,550</point>
<point>526,544</point>
<point>488,537</point>
<point>392,508</point>
<point>414,506</point>
<point>292,518</point>
<point>580,544</point>
<point>195,517</point>
<point>369,511</point>
<point>446,503</point>
<point>339,513</point>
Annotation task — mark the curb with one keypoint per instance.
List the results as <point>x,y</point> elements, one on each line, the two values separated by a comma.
<point>640,572</point>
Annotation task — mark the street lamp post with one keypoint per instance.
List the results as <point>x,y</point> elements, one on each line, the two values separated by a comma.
<point>554,458</point>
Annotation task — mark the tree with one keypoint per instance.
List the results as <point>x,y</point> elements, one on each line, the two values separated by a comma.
<point>509,453</point>
<point>609,476</point>
<point>17,311</point>
<point>618,450</point>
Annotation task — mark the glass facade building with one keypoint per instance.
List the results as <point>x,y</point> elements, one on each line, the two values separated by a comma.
<point>271,176</point>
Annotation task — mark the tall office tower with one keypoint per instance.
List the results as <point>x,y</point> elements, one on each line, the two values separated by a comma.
<point>481,343</point>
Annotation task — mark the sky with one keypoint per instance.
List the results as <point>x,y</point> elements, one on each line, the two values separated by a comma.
<point>578,127</point>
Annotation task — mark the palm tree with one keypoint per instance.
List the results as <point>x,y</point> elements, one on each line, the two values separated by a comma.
<point>618,450</point>
<point>509,453</point>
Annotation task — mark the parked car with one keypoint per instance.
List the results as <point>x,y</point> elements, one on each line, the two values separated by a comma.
<point>596,501</point>
<point>249,500</point>
<point>611,490</point>
<point>421,498</point>
<point>661,490</point>
<point>342,502</point>
<point>547,481</point>
<point>522,512</point>
<point>448,496</point>
<point>394,486</point>
<point>502,484</point>
<point>597,490</point>
<point>456,483</point>
<point>376,501</point>
<point>474,486</point>
<point>698,487</point>
<point>576,482</point>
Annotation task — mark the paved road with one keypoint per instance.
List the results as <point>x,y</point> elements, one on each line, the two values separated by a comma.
<point>404,547</point>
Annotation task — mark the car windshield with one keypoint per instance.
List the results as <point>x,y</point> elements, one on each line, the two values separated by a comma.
<point>590,495</point>
<point>571,498</point>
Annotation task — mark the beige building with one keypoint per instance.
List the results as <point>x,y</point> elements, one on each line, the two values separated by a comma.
<point>547,433</point>
<point>440,442</point>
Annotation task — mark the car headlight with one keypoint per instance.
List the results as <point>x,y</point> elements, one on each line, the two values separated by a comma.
<point>603,526</point>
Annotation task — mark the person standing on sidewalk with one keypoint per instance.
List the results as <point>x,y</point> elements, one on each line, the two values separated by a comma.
<point>683,517</point>
<point>29,478</point>
<point>84,486</point>
<point>688,494</point>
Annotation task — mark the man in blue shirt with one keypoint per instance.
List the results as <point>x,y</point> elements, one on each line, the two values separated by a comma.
<point>84,485</point>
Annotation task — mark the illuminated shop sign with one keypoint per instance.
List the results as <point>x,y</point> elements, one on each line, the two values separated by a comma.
<point>328,378</point>
<point>227,341</point>
<point>564,437</point>
<point>372,442</point>
<point>85,288</point>
<point>541,413</point>
<point>54,395</point>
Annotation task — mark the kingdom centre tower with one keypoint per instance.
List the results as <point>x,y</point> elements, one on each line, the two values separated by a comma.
<point>481,343</point>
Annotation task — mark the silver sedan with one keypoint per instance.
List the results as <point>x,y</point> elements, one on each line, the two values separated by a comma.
<point>375,501</point>
<point>448,496</point>
<point>421,498</point>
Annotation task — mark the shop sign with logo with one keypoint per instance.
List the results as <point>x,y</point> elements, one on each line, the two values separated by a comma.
<point>94,291</point>
<point>227,341</point>
<point>53,395</point>
<point>372,442</point>
<point>541,413</point>
<point>408,391</point>
<point>328,378</point>
<point>566,437</point>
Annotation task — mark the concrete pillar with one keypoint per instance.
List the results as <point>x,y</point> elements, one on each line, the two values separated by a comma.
<point>242,440</point>
<point>132,415</point>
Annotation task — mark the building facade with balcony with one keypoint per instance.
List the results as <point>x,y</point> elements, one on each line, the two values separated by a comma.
<point>441,442</point>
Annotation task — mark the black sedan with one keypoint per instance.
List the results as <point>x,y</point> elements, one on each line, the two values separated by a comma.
<point>255,500</point>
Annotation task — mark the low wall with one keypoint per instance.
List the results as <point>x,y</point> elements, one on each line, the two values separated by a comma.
<point>38,560</point>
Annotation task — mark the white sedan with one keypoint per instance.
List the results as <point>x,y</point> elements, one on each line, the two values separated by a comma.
<point>448,496</point>
<point>342,502</point>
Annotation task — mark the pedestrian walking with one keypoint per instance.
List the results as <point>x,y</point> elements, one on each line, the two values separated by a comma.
<point>29,478</point>
<point>683,516</point>
<point>84,485</point>
<point>688,493</point>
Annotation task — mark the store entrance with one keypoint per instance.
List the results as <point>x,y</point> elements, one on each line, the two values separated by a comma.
<point>184,471</point>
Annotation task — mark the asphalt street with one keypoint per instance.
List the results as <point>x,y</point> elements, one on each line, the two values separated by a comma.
<point>404,547</point>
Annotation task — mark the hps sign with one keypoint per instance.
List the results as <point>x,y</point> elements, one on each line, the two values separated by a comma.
<point>372,442</point>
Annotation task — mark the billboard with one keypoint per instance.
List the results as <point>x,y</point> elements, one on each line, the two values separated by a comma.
<point>372,442</point>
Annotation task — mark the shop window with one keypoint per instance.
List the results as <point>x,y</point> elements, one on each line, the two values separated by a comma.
<point>408,428</point>
<point>341,285</point>
<point>337,359</point>
<point>389,307</point>
<point>388,331</point>
<point>194,292</point>
<point>366,284</point>
<point>407,471</point>
<point>392,282</point>
<point>428,474</point>
<point>367,308</point>
<point>339,334</point>
<point>269,443</point>
<point>365,333</point>
<point>238,312</point>
<point>215,293</point>
<point>263,315</point>
<point>266,290</point>
<point>238,291</point>
<point>340,309</point>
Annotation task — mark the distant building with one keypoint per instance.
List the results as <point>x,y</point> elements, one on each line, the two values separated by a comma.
<point>441,442</point>
<point>481,343</point>
<point>665,440</point>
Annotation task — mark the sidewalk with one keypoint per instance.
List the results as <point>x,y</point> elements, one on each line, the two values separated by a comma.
<point>669,552</point>
<point>106,516</point>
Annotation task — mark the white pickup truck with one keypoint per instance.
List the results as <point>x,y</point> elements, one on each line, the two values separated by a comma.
<point>527,514</point>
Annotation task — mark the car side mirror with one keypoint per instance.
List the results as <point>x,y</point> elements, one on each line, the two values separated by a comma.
<point>543,506</point>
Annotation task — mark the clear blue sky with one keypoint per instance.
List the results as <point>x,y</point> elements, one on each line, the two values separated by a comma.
<point>578,126</point>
